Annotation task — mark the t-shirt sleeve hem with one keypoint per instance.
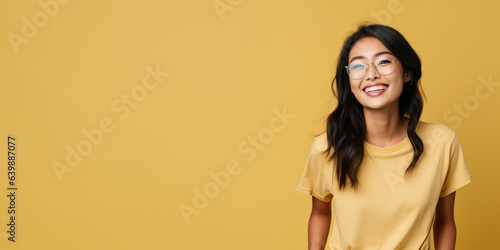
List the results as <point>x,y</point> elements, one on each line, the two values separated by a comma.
<point>313,193</point>
<point>455,187</point>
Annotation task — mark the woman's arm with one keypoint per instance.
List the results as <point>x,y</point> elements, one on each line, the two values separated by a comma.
<point>319,224</point>
<point>445,231</point>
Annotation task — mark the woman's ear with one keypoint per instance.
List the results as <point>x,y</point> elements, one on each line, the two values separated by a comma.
<point>407,77</point>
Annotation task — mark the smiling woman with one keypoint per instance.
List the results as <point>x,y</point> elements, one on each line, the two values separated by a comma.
<point>384,77</point>
<point>386,189</point>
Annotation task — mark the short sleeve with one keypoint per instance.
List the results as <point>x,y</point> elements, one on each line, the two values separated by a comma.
<point>315,179</point>
<point>458,174</point>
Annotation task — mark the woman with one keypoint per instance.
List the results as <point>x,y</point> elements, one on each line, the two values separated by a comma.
<point>389,175</point>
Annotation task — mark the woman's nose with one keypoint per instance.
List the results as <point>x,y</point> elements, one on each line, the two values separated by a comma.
<point>371,72</point>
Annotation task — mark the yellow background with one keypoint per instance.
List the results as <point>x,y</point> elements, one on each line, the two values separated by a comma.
<point>229,69</point>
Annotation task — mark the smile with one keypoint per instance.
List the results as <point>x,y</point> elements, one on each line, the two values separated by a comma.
<point>376,88</point>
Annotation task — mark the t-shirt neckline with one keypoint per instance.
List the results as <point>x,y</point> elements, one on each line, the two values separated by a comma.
<point>391,149</point>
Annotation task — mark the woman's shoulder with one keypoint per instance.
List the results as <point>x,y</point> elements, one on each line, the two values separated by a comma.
<point>320,143</point>
<point>436,131</point>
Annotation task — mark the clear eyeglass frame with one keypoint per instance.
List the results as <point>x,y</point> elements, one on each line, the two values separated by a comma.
<point>393,62</point>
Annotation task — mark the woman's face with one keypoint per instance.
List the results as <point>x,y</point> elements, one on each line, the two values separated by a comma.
<point>373,90</point>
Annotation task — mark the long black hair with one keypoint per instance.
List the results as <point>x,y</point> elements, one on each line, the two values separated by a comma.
<point>346,128</point>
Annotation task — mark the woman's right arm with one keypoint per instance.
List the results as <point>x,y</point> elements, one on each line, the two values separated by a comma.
<point>319,224</point>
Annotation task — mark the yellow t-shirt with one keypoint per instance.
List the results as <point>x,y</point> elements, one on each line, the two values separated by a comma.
<point>388,211</point>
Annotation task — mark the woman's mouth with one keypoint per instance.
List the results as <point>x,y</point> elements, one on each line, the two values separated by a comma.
<point>375,90</point>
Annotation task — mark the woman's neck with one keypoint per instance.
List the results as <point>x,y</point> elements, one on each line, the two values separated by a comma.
<point>385,129</point>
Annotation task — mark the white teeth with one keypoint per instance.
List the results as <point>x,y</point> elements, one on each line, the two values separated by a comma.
<point>375,88</point>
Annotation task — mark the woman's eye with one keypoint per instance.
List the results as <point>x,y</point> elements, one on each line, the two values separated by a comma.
<point>383,62</point>
<point>358,66</point>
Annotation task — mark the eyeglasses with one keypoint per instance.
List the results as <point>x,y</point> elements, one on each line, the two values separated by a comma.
<point>356,70</point>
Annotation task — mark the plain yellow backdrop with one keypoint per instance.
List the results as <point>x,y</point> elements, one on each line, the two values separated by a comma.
<point>126,113</point>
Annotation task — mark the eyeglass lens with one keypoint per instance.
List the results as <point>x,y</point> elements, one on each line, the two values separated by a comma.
<point>356,70</point>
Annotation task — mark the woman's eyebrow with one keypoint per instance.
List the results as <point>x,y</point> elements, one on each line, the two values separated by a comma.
<point>378,54</point>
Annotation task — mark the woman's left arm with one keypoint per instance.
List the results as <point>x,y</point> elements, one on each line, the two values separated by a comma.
<point>445,231</point>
